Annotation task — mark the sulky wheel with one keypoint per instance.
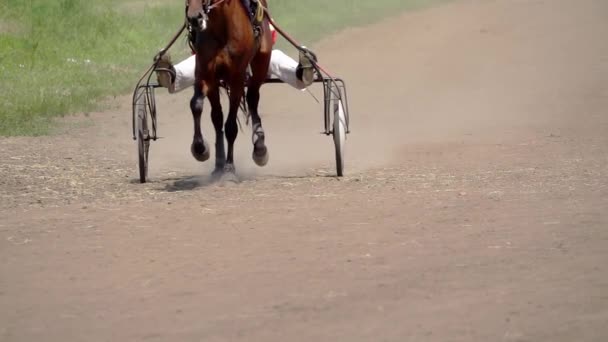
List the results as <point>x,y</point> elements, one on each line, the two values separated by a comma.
<point>339,133</point>
<point>142,133</point>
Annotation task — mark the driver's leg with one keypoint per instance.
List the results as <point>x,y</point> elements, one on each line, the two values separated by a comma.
<point>181,76</point>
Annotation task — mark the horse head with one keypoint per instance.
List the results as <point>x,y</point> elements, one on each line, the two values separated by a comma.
<point>197,13</point>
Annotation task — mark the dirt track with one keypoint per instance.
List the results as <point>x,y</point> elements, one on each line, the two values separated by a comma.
<point>474,206</point>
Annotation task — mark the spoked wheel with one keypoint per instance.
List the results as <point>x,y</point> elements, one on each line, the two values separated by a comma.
<point>142,133</point>
<point>339,133</point>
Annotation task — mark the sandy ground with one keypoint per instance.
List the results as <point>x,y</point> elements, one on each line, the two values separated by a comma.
<point>473,207</point>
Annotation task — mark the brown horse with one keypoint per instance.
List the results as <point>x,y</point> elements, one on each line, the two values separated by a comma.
<point>225,44</point>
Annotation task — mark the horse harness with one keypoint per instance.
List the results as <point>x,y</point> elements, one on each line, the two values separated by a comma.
<point>255,11</point>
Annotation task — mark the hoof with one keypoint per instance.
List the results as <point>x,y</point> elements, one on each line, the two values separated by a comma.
<point>228,175</point>
<point>260,156</point>
<point>260,152</point>
<point>217,172</point>
<point>229,168</point>
<point>200,150</point>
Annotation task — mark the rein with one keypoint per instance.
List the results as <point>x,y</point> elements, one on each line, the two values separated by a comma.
<point>292,41</point>
<point>209,5</point>
<point>163,51</point>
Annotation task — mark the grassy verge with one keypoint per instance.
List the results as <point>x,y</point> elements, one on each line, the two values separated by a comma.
<point>309,20</point>
<point>60,57</point>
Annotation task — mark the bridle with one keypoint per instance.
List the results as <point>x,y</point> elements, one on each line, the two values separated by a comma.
<point>200,21</point>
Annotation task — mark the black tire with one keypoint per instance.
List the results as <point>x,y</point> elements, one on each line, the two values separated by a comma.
<point>142,136</point>
<point>339,134</point>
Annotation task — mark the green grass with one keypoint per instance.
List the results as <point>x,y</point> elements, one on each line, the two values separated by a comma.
<point>309,20</point>
<point>63,56</point>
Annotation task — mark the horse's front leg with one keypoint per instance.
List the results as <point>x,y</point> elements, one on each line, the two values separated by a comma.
<point>237,86</point>
<point>259,67</point>
<point>260,152</point>
<point>199,147</point>
<point>217,117</point>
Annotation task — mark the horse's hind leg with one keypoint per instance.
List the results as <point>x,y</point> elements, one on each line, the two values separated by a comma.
<point>217,117</point>
<point>199,147</point>
<point>259,66</point>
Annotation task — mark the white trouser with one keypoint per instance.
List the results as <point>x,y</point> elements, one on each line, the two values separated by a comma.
<point>282,67</point>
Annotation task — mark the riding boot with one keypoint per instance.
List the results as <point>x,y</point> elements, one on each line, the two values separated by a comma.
<point>165,72</point>
<point>305,69</point>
